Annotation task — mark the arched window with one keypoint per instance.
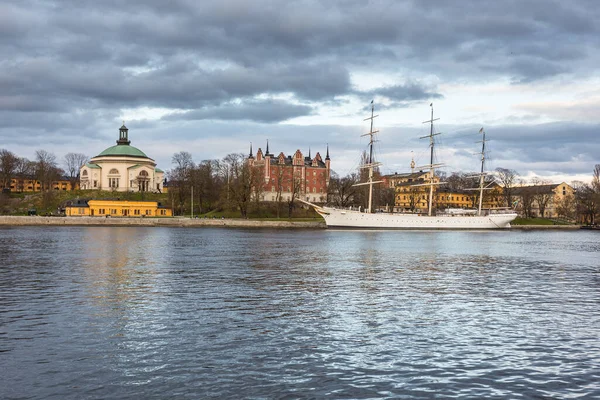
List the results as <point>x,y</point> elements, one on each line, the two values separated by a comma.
<point>143,173</point>
<point>84,173</point>
<point>113,182</point>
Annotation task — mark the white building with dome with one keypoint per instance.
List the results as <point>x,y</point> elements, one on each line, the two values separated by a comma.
<point>122,168</point>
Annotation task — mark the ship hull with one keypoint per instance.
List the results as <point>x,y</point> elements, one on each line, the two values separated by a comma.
<point>337,218</point>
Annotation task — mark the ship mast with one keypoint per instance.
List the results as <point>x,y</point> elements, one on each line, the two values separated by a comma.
<point>431,166</point>
<point>371,164</point>
<point>481,177</point>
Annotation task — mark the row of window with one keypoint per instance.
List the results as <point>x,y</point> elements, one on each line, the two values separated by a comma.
<point>124,212</point>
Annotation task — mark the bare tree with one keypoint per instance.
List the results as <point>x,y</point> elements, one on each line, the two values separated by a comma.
<point>586,202</point>
<point>279,185</point>
<point>596,179</point>
<point>24,170</point>
<point>206,184</point>
<point>542,194</point>
<point>565,207</point>
<point>8,166</point>
<point>180,178</point>
<point>73,163</point>
<point>508,178</point>
<point>46,170</point>
<point>257,179</point>
<point>342,190</point>
<point>295,185</point>
<point>239,186</point>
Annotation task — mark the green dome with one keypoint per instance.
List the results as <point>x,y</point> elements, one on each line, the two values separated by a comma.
<point>123,150</point>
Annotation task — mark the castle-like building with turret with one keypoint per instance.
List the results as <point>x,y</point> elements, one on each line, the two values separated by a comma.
<point>282,176</point>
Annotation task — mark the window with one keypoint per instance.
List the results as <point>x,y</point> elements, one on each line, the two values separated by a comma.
<point>148,212</point>
<point>113,211</point>
<point>114,171</point>
<point>113,183</point>
<point>136,212</point>
<point>84,173</point>
<point>81,211</point>
<point>95,183</point>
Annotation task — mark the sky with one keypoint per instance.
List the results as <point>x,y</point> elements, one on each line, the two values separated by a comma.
<point>210,78</point>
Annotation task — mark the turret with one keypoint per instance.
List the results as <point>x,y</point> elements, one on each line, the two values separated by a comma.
<point>123,135</point>
<point>267,164</point>
<point>327,165</point>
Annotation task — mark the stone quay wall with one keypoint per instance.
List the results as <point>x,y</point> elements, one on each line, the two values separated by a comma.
<point>175,222</point>
<point>196,222</point>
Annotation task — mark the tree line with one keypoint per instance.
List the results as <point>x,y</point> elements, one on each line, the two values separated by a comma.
<point>232,183</point>
<point>229,183</point>
<point>45,168</point>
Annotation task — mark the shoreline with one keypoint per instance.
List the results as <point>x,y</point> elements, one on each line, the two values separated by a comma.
<point>169,222</point>
<point>545,227</point>
<point>200,222</point>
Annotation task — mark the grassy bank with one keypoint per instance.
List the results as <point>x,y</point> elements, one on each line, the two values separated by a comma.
<point>538,222</point>
<point>48,203</point>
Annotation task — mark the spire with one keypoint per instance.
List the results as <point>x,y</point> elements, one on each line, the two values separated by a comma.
<point>309,153</point>
<point>267,152</point>
<point>250,156</point>
<point>327,156</point>
<point>123,135</point>
<point>412,163</point>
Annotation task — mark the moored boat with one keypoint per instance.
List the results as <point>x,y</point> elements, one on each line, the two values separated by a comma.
<point>447,219</point>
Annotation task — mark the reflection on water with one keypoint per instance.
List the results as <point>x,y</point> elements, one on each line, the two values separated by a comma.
<point>188,313</point>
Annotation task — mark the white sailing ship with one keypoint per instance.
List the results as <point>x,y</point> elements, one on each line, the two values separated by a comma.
<point>449,219</point>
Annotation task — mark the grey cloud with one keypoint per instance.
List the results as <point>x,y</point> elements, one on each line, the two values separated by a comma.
<point>404,92</point>
<point>63,60</point>
<point>267,111</point>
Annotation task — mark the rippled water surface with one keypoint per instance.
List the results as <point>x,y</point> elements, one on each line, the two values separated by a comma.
<point>221,313</point>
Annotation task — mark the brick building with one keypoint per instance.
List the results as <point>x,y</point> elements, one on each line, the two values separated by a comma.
<point>285,176</point>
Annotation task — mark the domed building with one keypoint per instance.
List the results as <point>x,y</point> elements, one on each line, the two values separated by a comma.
<point>122,168</point>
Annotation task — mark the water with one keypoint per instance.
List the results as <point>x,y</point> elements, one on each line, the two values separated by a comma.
<point>223,313</point>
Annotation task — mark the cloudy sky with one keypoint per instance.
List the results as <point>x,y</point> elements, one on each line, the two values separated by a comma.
<point>211,77</point>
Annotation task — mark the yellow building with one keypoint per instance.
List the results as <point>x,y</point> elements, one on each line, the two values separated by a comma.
<point>117,208</point>
<point>541,200</point>
<point>444,198</point>
<point>33,185</point>
<point>411,191</point>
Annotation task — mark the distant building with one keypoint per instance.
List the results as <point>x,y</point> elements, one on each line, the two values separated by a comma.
<point>305,177</point>
<point>28,184</point>
<point>540,200</point>
<point>122,168</point>
<point>411,194</point>
<point>116,208</point>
